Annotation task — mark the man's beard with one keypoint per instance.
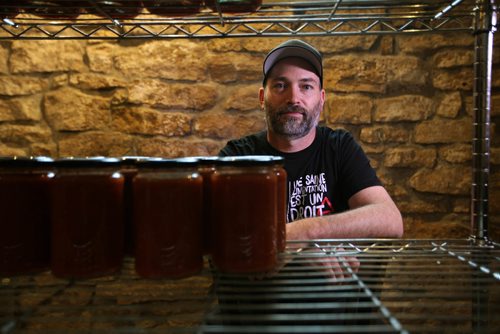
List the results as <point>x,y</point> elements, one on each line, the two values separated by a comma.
<point>290,126</point>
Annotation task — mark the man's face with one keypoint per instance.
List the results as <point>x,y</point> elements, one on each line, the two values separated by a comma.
<point>292,99</point>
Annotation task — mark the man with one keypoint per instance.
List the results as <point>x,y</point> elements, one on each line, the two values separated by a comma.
<point>333,192</point>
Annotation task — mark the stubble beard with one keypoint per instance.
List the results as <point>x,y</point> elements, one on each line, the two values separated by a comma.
<point>290,126</point>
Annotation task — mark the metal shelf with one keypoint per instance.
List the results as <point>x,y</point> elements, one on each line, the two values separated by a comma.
<point>400,286</point>
<point>274,18</point>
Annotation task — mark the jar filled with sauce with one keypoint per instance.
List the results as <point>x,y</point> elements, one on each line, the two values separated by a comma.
<point>87,217</point>
<point>168,201</point>
<point>234,6</point>
<point>281,206</point>
<point>24,207</point>
<point>54,9</point>
<point>244,198</point>
<point>173,7</point>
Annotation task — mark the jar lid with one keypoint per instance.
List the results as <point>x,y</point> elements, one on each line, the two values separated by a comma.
<point>86,162</point>
<point>250,160</point>
<point>135,157</point>
<point>167,163</point>
<point>15,161</point>
<point>206,159</point>
<point>132,159</point>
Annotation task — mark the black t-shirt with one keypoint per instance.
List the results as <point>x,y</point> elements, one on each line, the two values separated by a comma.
<point>322,177</point>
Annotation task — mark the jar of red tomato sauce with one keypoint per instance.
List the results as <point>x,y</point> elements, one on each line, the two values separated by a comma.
<point>87,217</point>
<point>281,207</point>
<point>24,223</point>
<point>168,196</point>
<point>244,214</point>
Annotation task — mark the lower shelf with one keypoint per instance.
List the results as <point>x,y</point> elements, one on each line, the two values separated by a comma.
<point>381,286</point>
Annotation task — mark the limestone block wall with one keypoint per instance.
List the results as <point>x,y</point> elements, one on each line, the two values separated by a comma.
<point>407,99</point>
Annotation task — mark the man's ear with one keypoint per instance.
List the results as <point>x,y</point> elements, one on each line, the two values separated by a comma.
<point>323,97</point>
<point>261,98</point>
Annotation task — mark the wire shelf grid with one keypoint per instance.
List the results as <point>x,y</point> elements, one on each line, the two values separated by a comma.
<point>394,286</point>
<point>273,19</point>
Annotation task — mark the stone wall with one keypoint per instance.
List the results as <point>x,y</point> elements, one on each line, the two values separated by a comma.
<point>407,99</point>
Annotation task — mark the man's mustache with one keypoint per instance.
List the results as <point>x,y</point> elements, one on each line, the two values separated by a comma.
<point>291,109</point>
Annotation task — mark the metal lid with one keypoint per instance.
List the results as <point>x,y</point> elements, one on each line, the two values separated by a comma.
<point>15,161</point>
<point>99,161</point>
<point>167,163</point>
<point>132,159</point>
<point>250,160</point>
<point>206,159</point>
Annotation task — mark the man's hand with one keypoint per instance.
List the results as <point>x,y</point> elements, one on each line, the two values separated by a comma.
<point>334,262</point>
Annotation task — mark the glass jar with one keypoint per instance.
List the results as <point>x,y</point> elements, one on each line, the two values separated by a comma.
<point>244,192</point>
<point>129,171</point>
<point>281,207</point>
<point>168,196</point>
<point>54,9</point>
<point>173,7</point>
<point>87,217</point>
<point>24,223</point>
<point>234,6</point>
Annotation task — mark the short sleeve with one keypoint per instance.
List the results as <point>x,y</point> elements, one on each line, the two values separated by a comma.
<point>356,172</point>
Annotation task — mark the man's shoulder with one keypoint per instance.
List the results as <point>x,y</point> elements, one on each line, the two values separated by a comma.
<point>329,134</point>
<point>252,140</point>
<point>250,144</point>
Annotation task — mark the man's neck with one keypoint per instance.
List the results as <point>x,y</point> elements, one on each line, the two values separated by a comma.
<point>288,145</point>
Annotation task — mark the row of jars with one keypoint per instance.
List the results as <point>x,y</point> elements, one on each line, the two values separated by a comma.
<point>122,9</point>
<point>80,217</point>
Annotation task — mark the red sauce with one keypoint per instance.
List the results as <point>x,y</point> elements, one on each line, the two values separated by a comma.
<point>87,219</point>
<point>167,217</point>
<point>25,225</point>
<point>244,217</point>
<point>234,6</point>
<point>281,207</point>
<point>173,7</point>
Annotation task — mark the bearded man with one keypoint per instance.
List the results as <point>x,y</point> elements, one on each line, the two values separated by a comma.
<point>333,192</point>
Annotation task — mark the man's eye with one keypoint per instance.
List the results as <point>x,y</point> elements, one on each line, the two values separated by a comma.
<point>307,87</point>
<point>279,85</point>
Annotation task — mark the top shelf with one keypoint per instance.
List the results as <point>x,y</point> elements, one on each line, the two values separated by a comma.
<point>272,19</point>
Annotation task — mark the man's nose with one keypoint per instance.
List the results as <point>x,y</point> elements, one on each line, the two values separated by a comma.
<point>293,95</point>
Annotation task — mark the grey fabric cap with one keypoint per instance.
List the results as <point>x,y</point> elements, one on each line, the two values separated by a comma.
<point>294,48</point>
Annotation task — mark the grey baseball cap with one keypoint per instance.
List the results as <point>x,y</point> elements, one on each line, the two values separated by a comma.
<point>294,48</point>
